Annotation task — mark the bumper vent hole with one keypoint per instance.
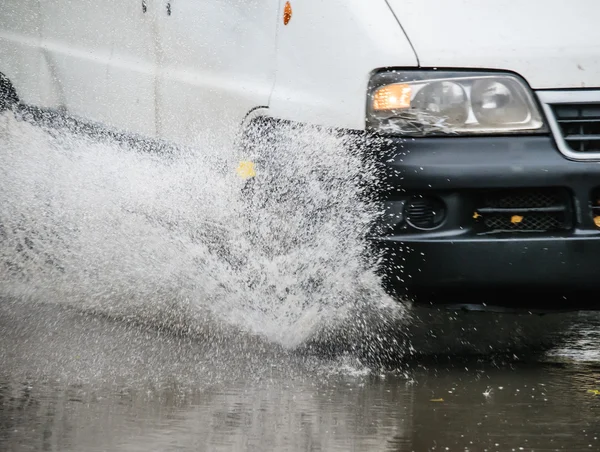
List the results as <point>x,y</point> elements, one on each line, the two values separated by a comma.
<point>425,213</point>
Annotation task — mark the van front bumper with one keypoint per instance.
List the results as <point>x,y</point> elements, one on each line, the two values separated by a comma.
<point>504,221</point>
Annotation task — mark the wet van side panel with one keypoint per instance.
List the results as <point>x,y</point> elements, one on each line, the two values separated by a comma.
<point>217,62</point>
<point>93,59</point>
<point>100,56</point>
<point>326,55</point>
<point>130,80</point>
<point>20,53</point>
<point>159,68</point>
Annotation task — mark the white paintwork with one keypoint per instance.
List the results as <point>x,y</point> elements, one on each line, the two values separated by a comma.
<point>100,64</point>
<point>84,57</point>
<point>551,43</point>
<point>211,62</point>
<point>216,63</point>
<point>154,74</point>
<point>20,47</point>
<point>325,58</point>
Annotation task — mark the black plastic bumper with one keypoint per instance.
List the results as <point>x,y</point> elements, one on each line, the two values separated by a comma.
<point>465,258</point>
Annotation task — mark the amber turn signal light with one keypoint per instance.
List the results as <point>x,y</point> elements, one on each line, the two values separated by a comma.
<point>287,13</point>
<point>392,97</point>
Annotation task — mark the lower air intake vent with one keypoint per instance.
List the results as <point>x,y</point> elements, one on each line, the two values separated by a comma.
<point>524,210</point>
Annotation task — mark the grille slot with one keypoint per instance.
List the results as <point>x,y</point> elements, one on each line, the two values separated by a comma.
<point>524,210</point>
<point>579,125</point>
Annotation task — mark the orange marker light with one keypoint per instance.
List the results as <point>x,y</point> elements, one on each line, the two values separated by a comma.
<point>516,219</point>
<point>597,221</point>
<point>392,97</point>
<point>287,13</point>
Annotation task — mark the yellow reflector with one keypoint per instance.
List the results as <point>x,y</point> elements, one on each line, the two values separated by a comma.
<point>516,219</point>
<point>392,97</point>
<point>597,221</point>
<point>246,170</point>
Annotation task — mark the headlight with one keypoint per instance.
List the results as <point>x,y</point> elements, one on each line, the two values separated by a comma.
<point>425,103</point>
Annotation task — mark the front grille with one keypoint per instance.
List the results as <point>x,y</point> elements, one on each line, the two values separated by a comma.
<point>524,210</point>
<point>579,125</point>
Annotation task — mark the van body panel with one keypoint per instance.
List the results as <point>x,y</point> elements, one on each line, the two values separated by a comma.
<point>217,62</point>
<point>552,44</point>
<point>326,55</point>
<point>94,60</point>
<point>20,52</point>
<point>169,70</point>
<point>130,78</point>
<point>76,43</point>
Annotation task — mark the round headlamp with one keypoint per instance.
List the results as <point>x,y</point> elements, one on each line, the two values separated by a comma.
<point>497,103</point>
<point>445,100</point>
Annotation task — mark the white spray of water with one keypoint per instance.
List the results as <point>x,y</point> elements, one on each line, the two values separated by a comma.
<point>173,239</point>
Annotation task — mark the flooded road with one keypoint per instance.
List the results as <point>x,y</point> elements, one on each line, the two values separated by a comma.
<point>75,382</point>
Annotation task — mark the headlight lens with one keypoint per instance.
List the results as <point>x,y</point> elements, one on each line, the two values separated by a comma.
<point>443,99</point>
<point>425,103</point>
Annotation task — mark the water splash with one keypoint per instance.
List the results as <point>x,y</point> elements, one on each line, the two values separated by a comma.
<point>172,239</point>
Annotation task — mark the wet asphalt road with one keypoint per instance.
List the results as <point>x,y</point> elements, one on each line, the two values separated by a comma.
<point>73,382</point>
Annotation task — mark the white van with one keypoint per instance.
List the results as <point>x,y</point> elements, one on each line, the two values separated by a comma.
<point>498,104</point>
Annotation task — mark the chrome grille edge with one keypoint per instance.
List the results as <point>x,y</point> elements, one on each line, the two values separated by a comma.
<point>574,119</point>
